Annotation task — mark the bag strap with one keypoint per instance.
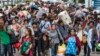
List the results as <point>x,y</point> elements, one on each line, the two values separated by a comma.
<point>23,39</point>
<point>59,35</point>
<point>43,25</point>
<point>78,43</point>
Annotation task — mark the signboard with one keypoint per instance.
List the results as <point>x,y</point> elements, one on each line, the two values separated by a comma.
<point>52,0</point>
<point>88,3</point>
<point>97,4</point>
<point>3,0</point>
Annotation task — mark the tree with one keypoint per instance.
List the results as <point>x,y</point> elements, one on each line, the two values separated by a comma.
<point>81,1</point>
<point>65,0</point>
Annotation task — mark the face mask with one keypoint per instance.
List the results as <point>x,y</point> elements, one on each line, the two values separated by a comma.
<point>72,33</point>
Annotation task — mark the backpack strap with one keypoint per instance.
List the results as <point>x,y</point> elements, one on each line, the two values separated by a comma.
<point>42,25</point>
<point>59,35</point>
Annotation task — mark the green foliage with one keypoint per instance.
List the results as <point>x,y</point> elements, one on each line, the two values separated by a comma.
<point>65,0</point>
<point>28,0</point>
<point>81,1</point>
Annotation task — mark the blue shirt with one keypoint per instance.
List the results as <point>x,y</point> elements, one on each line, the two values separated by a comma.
<point>71,46</point>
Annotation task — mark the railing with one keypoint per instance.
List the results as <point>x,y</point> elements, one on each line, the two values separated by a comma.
<point>11,2</point>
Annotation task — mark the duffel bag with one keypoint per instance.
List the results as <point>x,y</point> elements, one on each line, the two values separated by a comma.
<point>98,47</point>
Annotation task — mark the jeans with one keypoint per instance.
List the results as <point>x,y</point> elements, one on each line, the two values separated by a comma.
<point>1,50</point>
<point>70,55</point>
<point>87,50</point>
<point>37,49</point>
<point>6,50</point>
<point>93,45</point>
<point>46,53</point>
<point>54,50</point>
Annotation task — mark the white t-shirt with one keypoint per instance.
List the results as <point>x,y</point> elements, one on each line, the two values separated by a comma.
<point>98,29</point>
<point>79,34</point>
<point>79,13</point>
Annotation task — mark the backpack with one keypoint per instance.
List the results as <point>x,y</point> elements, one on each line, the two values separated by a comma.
<point>13,38</point>
<point>98,47</point>
<point>61,49</point>
<point>25,47</point>
<point>94,34</point>
<point>34,7</point>
<point>84,39</point>
<point>78,43</point>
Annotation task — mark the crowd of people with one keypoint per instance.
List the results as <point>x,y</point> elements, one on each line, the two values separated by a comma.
<point>48,29</point>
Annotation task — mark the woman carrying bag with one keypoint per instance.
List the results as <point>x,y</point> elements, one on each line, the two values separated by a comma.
<point>73,43</point>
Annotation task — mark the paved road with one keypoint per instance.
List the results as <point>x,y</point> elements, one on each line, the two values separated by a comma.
<point>92,54</point>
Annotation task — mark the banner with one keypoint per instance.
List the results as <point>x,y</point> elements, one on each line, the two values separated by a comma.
<point>52,0</point>
<point>97,4</point>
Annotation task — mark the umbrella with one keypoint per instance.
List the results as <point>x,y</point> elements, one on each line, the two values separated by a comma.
<point>34,7</point>
<point>23,13</point>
